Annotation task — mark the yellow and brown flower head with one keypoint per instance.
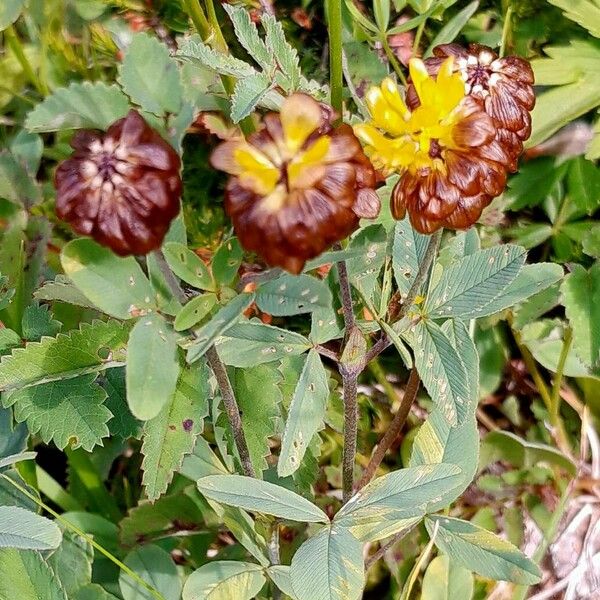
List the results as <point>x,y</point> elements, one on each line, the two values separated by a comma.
<point>122,188</point>
<point>298,185</point>
<point>445,147</point>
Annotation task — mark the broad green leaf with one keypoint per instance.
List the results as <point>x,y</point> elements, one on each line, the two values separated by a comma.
<point>479,550</point>
<point>225,580</point>
<point>250,344</point>
<point>9,12</point>
<point>117,286</point>
<point>581,296</point>
<point>20,528</point>
<point>122,424</point>
<point>328,566</point>
<point>227,260</point>
<point>171,434</point>
<point>217,326</point>
<point>534,182</point>
<point>363,271</point>
<point>67,412</point>
<point>259,397</point>
<point>187,265</point>
<point>458,334</point>
<point>466,287</point>
<point>392,502</point>
<point>453,27</point>
<point>284,53</point>
<point>63,290</point>
<point>584,12</point>
<point>9,339</point>
<point>292,295</point>
<point>584,183</point>
<point>446,580</point>
<point>93,591</point>
<point>25,575</point>
<point>261,497</point>
<point>156,567</point>
<point>381,9</point>
<point>91,348</point>
<point>305,414</point>
<point>16,184</point>
<point>407,254</point>
<point>442,371</point>
<point>149,76</point>
<point>81,105</point>
<point>248,92</point>
<point>247,34</point>
<point>152,366</point>
<point>194,311</point>
<point>72,562</point>
<point>281,576</point>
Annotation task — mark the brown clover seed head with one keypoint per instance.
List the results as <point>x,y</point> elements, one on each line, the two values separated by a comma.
<point>298,185</point>
<point>122,187</point>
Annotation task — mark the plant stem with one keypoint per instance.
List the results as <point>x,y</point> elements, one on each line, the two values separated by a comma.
<point>170,278</point>
<point>350,383</point>
<point>393,60</point>
<point>346,294</point>
<point>390,544</point>
<point>410,394</point>
<point>216,26</point>
<point>273,550</point>
<point>334,21</point>
<point>506,28</point>
<point>418,35</point>
<point>558,376</point>
<point>232,409</point>
<point>14,43</point>
<point>195,12</point>
<point>155,593</point>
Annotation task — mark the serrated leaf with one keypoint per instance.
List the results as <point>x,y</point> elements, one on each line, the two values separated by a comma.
<point>66,412</point>
<point>442,371</point>
<point>292,295</point>
<point>284,53</point>
<point>172,434</point>
<point>194,311</point>
<point>91,348</point>
<point>25,575</point>
<point>260,497</point>
<point>583,12</point>
<point>407,254</point>
<point>122,424</point>
<point>156,567</point>
<point>247,34</point>
<point>81,105</point>
<point>305,414</point>
<point>63,290</point>
<point>250,344</point>
<point>259,397</point>
<point>187,265</point>
<point>193,49</point>
<point>328,566</point>
<point>466,287</point>
<point>150,76</point>
<point>9,12</point>
<point>394,501</point>
<point>481,551</point>
<point>117,286</point>
<point>20,528</point>
<point>446,580</point>
<point>581,296</point>
<point>72,562</point>
<point>37,322</point>
<point>152,367</point>
<point>223,580</point>
<point>218,325</point>
<point>248,92</point>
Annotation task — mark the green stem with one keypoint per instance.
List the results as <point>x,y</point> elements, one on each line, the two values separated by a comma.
<point>393,60</point>
<point>221,44</point>
<point>196,14</point>
<point>506,28</point>
<point>558,377</point>
<point>86,537</point>
<point>14,43</point>
<point>334,18</point>
<point>418,36</point>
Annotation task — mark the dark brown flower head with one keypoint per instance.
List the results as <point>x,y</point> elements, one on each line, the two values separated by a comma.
<point>122,187</point>
<point>298,184</point>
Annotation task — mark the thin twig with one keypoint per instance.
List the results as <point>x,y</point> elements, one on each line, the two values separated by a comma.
<point>410,394</point>
<point>350,383</point>
<point>323,351</point>
<point>384,549</point>
<point>169,276</point>
<point>346,294</point>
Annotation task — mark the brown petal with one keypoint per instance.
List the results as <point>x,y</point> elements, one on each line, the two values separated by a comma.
<point>367,205</point>
<point>473,130</point>
<point>516,68</point>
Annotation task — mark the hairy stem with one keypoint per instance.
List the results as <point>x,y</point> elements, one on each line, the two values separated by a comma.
<point>350,383</point>
<point>169,276</point>
<point>334,18</point>
<point>410,394</point>
<point>346,294</point>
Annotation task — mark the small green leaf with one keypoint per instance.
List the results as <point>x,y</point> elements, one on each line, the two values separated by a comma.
<point>72,562</point>
<point>194,311</point>
<point>152,366</point>
<point>534,182</point>
<point>583,12</point>
<point>37,322</point>
<point>284,53</point>
<point>16,184</point>
<point>156,567</point>
<point>63,290</point>
<point>20,528</point>
<point>407,254</point>
<point>363,271</point>
<point>122,424</point>
<point>227,260</point>
<point>81,105</point>
<point>150,76</point>
<point>451,29</point>
<point>392,502</point>
<point>305,414</point>
<point>93,591</point>
<point>117,286</point>
<point>9,12</point>
<point>248,92</point>
<point>584,183</point>
<point>292,295</point>
<point>225,579</point>
<point>260,497</point>
<point>446,580</point>
<point>481,551</point>
<point>218,325</point>
<point>247,34</point>
<point>171,434</point>
<point>187,265</point>
<point>329,566</point>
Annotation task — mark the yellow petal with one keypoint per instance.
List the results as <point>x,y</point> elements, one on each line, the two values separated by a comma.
<point>303,171</point>
<point>300,116</point>
<point>256,171</point>
<point>418,74</point>
<point>392,95</point>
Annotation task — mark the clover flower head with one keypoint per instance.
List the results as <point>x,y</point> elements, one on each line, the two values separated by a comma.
<point>297,185</point>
